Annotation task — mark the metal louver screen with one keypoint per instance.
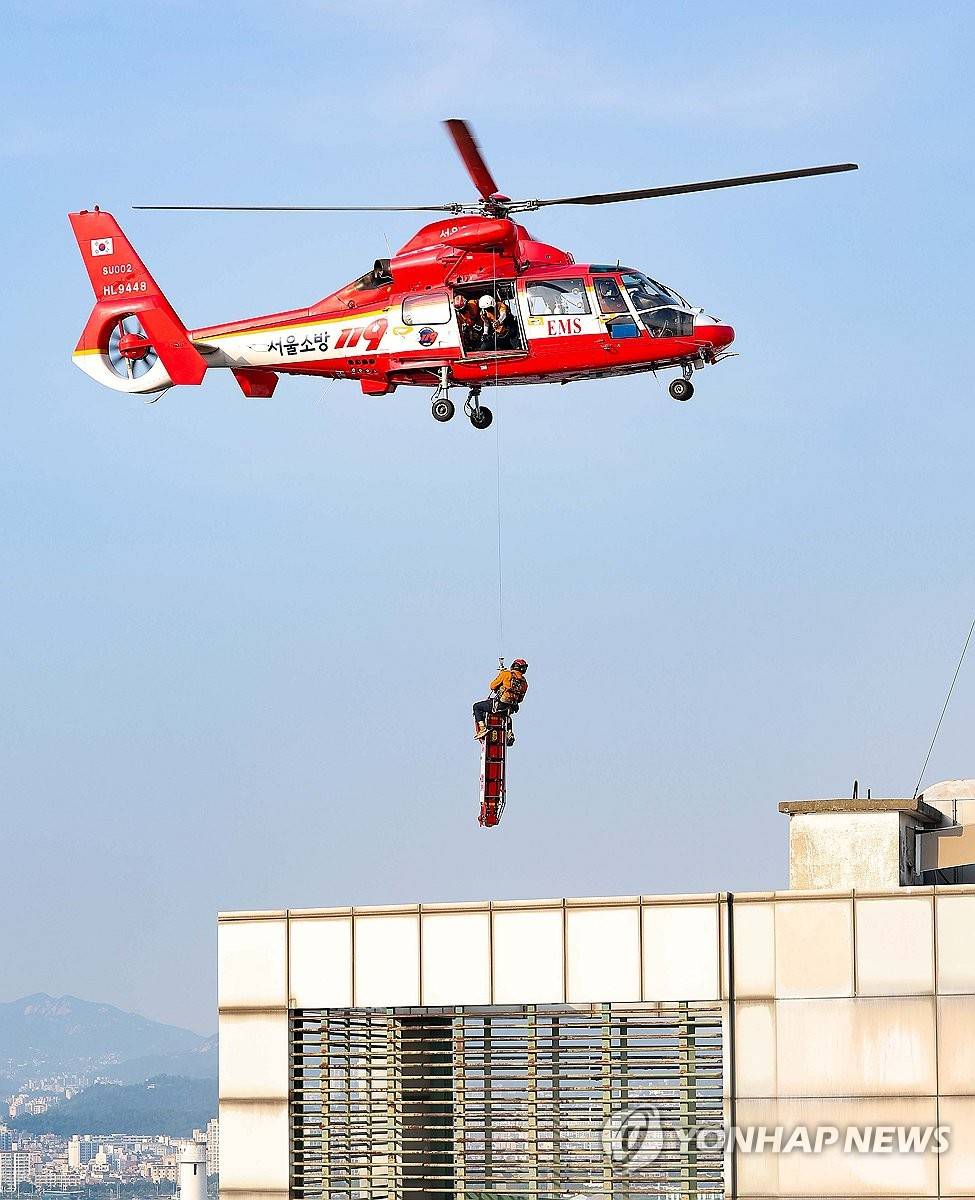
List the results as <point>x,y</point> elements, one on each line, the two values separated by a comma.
<point>483,1102</point>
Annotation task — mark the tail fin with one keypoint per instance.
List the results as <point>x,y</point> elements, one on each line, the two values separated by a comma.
<point>122,287</point>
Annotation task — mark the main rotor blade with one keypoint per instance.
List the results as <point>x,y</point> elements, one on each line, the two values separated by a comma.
<point>681,189</point>
<point>470,152</point>
<point>297,207</point>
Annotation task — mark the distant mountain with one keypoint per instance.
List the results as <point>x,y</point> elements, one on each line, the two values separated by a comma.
<point>43,1035</point>
<point>198,1063</point>
<point>163,1105</point>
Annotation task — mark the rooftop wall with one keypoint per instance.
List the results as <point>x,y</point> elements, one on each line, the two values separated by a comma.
<point>844,1007</point>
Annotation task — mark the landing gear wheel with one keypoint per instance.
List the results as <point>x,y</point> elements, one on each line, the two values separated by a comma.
<point>481,417</point>
<point>443,409</point>
<point>681,389</point>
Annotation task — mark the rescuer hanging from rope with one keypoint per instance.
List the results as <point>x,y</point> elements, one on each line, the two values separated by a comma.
<point>492,727</point>
<point>508,689</point>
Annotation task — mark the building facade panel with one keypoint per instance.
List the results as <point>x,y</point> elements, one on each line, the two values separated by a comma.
<point>603,954</point>
<point>456,959</point>
<point>529,956</point>
<point>877,1173</point>
<point>754,949</point>
<point>252,962</point>
<point>254,1055</point>
<point>320,961</point>
<point>756,1065</point>
<point>386,970</point>
<point>955,922</point>
<point>956,1045</point>
<point>957,1166</point>
<point>856,1047</point>
<point>254,1146</point>
<point>813,947</point>
<point>680,951</point>
<point>895,945</point>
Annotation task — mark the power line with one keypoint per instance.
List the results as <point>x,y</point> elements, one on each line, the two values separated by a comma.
<point>945,708</point>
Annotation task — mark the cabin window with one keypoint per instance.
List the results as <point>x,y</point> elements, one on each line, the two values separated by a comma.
<point>428,308</point>
<point>558,298</point>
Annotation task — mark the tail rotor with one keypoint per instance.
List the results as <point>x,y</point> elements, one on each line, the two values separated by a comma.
<point>130,352</point>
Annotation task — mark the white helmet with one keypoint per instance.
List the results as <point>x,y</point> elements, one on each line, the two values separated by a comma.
<point>486,301</point>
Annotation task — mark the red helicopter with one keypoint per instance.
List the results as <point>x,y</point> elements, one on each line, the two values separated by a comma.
<point>471,300</point>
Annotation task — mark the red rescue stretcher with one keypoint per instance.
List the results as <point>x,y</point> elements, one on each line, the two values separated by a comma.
<point>494,749</point>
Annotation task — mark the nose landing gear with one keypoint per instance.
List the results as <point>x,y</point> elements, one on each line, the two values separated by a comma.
<point>683,389</point>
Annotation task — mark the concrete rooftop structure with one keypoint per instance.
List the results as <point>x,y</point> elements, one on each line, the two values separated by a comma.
<point>488,1049</point>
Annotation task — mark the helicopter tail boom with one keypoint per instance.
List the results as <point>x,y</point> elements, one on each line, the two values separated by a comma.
<point>133,340</point>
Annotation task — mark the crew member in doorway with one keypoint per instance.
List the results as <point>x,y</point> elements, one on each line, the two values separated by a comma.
<point>500,330</point>
<point>508,689</point>
<point>469,321</point>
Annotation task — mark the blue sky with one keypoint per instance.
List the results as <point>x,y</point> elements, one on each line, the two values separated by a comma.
<point>240,638</point>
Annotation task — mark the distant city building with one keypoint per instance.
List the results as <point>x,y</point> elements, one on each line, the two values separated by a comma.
<point>15,1168</point>
<point>213,1147</point>
<point>6,1142</point>
<point>56,1164</point>
<point>57,1177</point>
<point>81,1150</point>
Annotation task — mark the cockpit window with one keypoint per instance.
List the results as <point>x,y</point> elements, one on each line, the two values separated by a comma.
<point>557,297</point>
<point>379,276</point>
<point>644,293</point>
<point>609,295</point>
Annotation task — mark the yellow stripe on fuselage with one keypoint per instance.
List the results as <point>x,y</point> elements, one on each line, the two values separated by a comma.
<point>345,319</point>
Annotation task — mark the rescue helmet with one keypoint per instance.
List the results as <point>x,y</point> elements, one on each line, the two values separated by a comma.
<point>520,666</point>
<point>486,301</point>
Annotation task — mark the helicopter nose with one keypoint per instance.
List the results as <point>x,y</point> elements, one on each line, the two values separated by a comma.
<point>713,331</point>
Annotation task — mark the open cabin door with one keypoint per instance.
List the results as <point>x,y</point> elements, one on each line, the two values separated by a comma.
<point>489,333</point>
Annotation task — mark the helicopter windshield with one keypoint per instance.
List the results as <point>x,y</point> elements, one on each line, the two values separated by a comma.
<point>647,293</point>
<point>663,312</point>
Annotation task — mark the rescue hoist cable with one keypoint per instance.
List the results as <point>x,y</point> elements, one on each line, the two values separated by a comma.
<point>944,709</point>
<point>497,443</point>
